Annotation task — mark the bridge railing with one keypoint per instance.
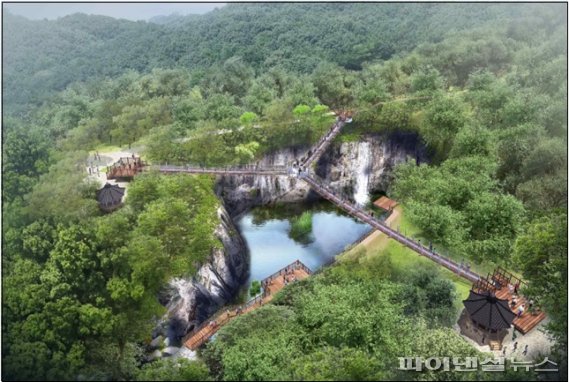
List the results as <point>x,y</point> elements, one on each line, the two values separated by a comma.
<point>317,149</point>
<point>293,266</point>
<point>165,167</point>
<point>416,246</point>
<point>222,316</point>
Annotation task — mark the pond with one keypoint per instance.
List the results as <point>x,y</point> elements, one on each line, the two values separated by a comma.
<point>266,231</point>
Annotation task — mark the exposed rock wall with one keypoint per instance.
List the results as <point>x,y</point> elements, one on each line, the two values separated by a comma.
<point>368,164</point>
<point>191,301</point>
<point>240,193</point>
<point>355,168</point>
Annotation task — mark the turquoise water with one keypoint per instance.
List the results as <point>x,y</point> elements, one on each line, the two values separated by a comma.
<point>266,232</point>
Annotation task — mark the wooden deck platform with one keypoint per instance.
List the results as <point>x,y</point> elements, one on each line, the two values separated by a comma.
<point>273,285</point>
<point>125,168</point>
<point>527,321</point>
<point>385,203</point>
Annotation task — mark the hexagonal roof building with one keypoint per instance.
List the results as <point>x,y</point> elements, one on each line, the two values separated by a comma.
<point>110,197</point>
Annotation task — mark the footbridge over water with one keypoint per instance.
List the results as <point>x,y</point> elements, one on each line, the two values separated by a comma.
<point>302,172</point>
<point>241,170</point>
<point>360,214</point>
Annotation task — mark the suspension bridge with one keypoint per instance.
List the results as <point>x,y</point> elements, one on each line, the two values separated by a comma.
<point>129,167</point>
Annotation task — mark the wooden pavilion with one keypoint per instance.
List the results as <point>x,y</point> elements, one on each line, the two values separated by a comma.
<point>110,197</point>
<point>486,319</point>
<point>507,286</point>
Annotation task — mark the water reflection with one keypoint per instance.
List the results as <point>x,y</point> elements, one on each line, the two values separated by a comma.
<point>266,231</point>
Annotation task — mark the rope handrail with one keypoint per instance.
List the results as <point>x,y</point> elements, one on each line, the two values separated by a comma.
<point>417,247</point>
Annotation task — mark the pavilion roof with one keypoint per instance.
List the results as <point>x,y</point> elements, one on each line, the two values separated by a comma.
<point>110,196</point>
<point>488,310</point>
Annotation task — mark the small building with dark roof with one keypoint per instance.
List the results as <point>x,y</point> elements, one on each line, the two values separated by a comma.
<point>110,197</point>
<point>486,319</point>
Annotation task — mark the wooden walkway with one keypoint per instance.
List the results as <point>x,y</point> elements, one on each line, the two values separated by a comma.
<point>323,143</point>
<point>271,285</point>
<point>527,321</point>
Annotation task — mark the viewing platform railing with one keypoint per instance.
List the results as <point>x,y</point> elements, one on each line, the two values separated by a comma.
<point>223,316</point>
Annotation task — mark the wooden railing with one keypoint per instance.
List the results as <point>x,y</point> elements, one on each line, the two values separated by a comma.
<point>126,167</point>
<point>223,316</point>
<point>293,266</point>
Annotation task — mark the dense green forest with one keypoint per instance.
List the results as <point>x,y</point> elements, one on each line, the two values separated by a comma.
<point>487,95</point>
<point>41,57</point>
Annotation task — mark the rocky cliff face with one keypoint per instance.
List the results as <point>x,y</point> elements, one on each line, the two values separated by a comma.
<point>358,168</point>
<point>240,193</point>
<point>355,168</point>
<point>191,301</point>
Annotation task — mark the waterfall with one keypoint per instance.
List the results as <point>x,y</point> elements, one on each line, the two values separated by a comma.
<point>362,168</point>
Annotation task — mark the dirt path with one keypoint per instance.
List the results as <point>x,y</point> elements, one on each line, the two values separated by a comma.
<point>377,239</point>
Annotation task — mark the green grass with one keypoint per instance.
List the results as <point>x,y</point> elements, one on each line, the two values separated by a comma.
<point>350,137</point>
<point>409,229</point>
<point>105,148</point>
<point>403,259</point>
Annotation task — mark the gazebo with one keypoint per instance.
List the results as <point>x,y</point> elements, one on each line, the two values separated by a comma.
<point>110,197</point>
<point>486,319</point>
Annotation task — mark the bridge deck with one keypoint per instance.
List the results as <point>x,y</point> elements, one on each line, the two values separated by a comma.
<point>409,243</point>
<point>323,143</point>
<point>219,171</point>
<point>274,285</point>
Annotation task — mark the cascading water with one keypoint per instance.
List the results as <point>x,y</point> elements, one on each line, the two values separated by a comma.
<point>361,195</point>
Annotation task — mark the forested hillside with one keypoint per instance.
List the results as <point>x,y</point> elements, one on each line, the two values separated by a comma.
<point>484,89</point>
<point>41,57</point>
